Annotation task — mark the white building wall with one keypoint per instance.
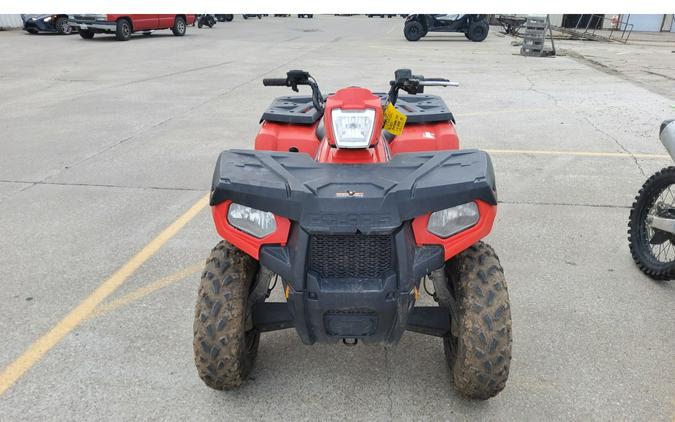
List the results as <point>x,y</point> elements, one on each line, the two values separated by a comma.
<point>10,21</point>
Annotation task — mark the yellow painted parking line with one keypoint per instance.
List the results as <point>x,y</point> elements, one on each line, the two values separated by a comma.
<point>504,111</point>
<point>41,346</point>
<point>145,290</point>
<point>577,153</point>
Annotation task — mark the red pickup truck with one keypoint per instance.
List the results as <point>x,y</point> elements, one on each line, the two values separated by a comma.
<point>125,25</point>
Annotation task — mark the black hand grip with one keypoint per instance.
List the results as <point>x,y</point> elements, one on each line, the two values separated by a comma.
<point>275,82</point>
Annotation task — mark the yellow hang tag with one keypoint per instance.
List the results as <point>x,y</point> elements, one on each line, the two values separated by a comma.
<point>394,120</point>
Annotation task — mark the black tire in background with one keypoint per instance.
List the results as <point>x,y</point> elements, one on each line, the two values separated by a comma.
<point>638,241</point>
<point>413,31</point>
<point>228,18</point>
<point>478,31</point>
<point>123,31</point>
<point>62,26</point>
<point>480,353</point>
<point>87,34</point>
<point>179,26</point>
<point>224,350</point>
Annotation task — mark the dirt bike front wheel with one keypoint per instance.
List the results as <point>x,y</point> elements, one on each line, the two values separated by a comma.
<point>653,250</point>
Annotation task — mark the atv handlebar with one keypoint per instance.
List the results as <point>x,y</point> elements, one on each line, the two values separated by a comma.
<point>413,84</point>
<point>295,78</point>
<point>275,82</point>
<point>404,79</point>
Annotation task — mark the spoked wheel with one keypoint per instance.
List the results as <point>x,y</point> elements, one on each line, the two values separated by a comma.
<point>653,249</point>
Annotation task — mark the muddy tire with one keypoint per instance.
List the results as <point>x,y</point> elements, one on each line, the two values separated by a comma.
<point>224,349</point>
<point>479,355</point>
<point>639,238</point>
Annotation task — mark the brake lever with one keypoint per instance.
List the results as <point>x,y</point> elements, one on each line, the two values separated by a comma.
<point>438,82</point>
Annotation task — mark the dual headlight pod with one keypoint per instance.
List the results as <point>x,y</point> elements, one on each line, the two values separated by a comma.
<point>353,128</point>
<point>252,221</point>
<point>445,223</point>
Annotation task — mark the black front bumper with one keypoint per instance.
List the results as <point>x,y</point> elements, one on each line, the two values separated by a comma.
<point>38,25</point>
<point>351,267</point>
<point>364,291</point>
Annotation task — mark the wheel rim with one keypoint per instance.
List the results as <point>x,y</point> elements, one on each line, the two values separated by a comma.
<point>126,30</point>
<point>662,251</point>
<point>65,28</point>
<point>181,25</point>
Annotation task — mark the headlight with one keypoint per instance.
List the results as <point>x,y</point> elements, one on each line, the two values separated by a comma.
<point>100,17</point>
<point>445,223</point>
<point>47,19</point>
<point>353,128</point>
<point>252,221</point>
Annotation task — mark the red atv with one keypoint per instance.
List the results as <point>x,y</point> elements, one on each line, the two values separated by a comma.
<point>353,202</point>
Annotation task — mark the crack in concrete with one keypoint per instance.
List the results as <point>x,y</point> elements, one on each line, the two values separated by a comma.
<point>617,142</point>
<point>614,72</point>
<point>533,88</point>
<point>658,74</point>
<point>97,185</point>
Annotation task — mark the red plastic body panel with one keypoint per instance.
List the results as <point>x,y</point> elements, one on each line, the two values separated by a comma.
<point>145,22</point>
<point>284,137</point>
<point>440,136</point>
<point>462,240</point>
<point>426,137</point>
<point>244,241</point>
<point>354,98</point>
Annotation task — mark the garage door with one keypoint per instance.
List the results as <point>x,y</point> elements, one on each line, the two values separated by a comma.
<point>646,22</point>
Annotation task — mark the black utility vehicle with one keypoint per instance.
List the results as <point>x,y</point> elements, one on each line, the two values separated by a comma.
<point>474,27</point>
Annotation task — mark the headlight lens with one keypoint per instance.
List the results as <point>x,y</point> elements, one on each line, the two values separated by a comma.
<point>445,223</point>
<point>252,221</point>
<point>353,128</point>
<point>47,19</point>
<point>100,17</point>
